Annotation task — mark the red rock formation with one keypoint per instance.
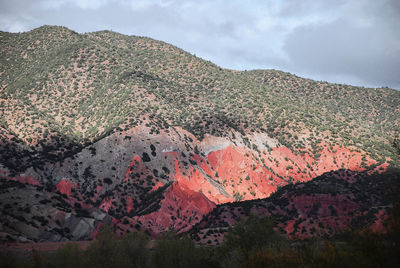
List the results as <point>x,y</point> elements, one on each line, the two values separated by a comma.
<point>228,173</point>
<point>64,186</point>
<point>24,179</point>
<point>235,172</point>
<point>180,209</point>
<point>136,164</point>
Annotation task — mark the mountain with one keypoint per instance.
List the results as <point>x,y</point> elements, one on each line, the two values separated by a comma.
<point>106,128</point>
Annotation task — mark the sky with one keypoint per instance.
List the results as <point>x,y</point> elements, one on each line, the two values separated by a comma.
<point>353,42</point>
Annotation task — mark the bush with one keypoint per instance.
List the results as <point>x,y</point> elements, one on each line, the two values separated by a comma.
<point>172,251</point>
<point>102,253</point>
<point>254,233</point>
<point>132,251</point>
<point>146,157</point>
<point>111,251</point>
<point>69,255</point>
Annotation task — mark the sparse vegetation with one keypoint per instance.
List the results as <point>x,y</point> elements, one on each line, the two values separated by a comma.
<point>112,127</point>
<point>251,243</point>
<point>80,86</point>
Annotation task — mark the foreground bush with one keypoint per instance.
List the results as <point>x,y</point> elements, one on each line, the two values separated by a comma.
<point>69,255</point>
<point>251,235</point>
<point>251,243</point>
<point>172,251</point>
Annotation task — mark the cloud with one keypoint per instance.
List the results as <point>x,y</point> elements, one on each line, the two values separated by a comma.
<point>350,41</point>
<point>361,45</point>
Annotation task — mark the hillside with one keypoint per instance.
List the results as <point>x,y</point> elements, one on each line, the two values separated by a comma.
<point>334,203</point>
<point>103,127</point>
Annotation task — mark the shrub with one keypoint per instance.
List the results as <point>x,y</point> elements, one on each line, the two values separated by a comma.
<point>254,233</point>
<point>69,255</point>
<point>173,251</point>
<point>146,157</point>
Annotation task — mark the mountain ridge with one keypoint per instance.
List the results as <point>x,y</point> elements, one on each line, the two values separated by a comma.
<point>140,133</point>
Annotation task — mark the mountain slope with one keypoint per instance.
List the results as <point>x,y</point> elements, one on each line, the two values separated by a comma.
<point>153,137</point>
<point>331,204</point>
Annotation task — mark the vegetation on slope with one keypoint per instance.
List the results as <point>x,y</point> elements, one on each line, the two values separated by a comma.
<point>251,243</point>
<point>68,100</point>
<point>62,90</point>
<point>327,205</point>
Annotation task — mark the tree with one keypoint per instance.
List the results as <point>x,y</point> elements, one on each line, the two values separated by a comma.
<point>254,233</point>
<point>102,252</point>
<point>132,250</point>
<point>69,255</point>
<point>180,252</point>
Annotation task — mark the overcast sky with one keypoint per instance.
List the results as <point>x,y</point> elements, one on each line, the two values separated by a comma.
<point>344,41</point>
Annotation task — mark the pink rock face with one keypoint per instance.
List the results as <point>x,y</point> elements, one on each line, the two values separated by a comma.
<point>285,163</point>
<point>129,204</point>
<point>180,209</point>
<point>157,186</point>
<point>304,204</point>
<point>28,180</point>
<point>332,204</point>
<point>378,226</point>
<point>344,158</point>
<point>237,171</point>
<point>107,204</point>
<point>201,180</point>
<point>340,204</point>
<point>64,186</point>
<point>196,182</point>
<point>135,164</point>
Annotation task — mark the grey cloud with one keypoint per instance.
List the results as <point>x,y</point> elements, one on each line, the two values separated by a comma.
<point>367,51</point>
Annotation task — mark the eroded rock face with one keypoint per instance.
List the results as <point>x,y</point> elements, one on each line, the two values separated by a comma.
<point>156,182</point>
<point>81,228</point>
<point>332,203</point>
<point>33,213</point>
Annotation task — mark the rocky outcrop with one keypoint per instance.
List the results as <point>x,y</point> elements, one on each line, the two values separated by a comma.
<point>330,204</point>
<point>170,180</point>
